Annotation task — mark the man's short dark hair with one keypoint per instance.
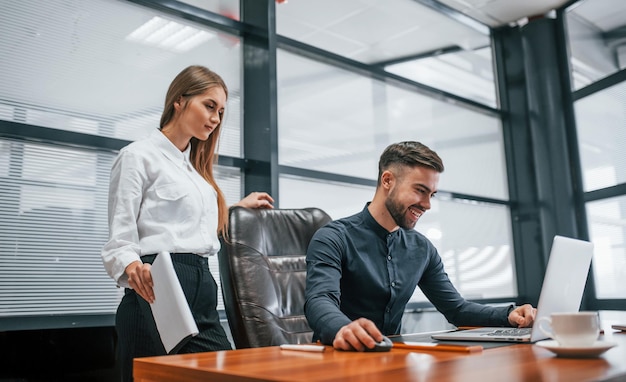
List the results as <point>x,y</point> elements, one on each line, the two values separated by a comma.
<point>411,154</point>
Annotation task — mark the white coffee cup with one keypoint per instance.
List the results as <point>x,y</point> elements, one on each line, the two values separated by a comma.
<point>575,329</point>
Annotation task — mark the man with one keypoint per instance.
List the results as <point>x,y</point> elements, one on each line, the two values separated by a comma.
<point>362,270</point>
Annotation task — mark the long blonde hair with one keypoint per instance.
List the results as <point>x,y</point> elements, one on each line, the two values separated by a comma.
<point>192,81</point>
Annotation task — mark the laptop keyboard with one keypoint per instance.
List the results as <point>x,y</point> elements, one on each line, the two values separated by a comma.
<point>511,332</point>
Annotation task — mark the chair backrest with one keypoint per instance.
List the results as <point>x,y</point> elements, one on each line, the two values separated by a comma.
<point>263,274</point>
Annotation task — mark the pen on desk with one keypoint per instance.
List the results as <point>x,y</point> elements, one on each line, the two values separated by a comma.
<point>468,327</point>
<point>429,346</point>
<point>311,348</point>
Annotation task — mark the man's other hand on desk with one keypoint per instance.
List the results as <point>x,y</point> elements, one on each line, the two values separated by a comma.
<point>522,316</point>
<point>357,336</point>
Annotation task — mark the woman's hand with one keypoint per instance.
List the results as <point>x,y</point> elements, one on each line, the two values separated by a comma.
<point>256,200</point>
<point>140,279</point>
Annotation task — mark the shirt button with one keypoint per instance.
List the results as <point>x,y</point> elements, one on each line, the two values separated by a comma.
<point>389,258</point>
<point>393,283</point>
<point>387,310</point>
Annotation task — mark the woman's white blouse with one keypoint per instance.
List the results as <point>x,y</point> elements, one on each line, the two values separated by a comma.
<point>157,202</point>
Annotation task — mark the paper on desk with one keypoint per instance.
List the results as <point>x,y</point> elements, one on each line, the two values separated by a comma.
<point>171,312</point>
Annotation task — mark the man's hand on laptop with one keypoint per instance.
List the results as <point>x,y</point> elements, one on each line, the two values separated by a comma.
<point>522,316</point>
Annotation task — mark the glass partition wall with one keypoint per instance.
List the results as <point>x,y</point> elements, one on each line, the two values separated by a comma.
<point>80,80</point>
<point>597,42</point>
<point>346,91</point>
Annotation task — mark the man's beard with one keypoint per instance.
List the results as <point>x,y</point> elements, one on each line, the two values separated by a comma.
<point>398,212</point>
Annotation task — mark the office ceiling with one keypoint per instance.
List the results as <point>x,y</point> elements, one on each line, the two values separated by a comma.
<point>373,31</point>
<point>496,13</point>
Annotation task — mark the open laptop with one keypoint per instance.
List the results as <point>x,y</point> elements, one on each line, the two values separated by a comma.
<point>562,291</point>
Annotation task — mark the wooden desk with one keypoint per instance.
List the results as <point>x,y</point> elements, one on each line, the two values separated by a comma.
<point>515,363</point>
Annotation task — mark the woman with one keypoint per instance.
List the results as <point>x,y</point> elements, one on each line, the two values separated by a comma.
<point>163,197</point>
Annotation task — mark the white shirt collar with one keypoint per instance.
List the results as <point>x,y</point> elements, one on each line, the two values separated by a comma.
<point>169,149</point>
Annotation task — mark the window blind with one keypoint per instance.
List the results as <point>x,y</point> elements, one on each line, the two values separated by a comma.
<point>52,226</point>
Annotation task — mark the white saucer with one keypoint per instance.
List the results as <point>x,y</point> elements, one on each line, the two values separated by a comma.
<point>594,350</point>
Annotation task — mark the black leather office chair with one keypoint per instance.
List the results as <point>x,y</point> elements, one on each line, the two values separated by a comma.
<point>263,274</point>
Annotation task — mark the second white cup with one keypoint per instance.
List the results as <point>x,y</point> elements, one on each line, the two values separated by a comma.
<point>575,329</point>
